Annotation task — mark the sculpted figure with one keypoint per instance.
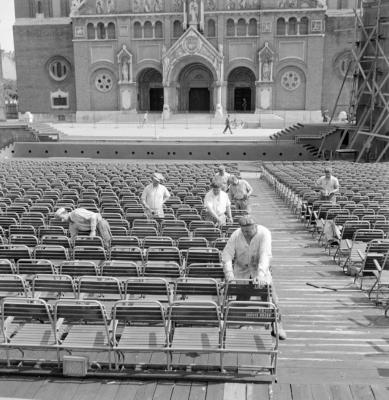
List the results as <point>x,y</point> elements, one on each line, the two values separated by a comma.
<point>193,11</point>
<point>99,7</point>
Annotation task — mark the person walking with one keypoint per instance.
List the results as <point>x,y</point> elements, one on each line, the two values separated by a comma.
<point>228,125</point>
<point>239,192</point>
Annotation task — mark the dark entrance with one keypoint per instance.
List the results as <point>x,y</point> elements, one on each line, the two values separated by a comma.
<point>199,99</point>
<point>156,99</point>
<point>242,99</point>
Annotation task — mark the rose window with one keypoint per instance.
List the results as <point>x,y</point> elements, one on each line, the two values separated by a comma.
<point>104,82</point>
<point>290,80</point>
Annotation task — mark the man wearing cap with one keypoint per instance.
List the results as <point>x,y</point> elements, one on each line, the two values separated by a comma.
<point>83,220</point>
<point>217,204</point>
<point>329,185</point>
<point>239,192</point>
<point>222,177</point>
<point>247,256</point>
<point>154,197</point>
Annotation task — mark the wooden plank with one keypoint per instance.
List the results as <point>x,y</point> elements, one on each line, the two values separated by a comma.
<point>282,391</point>
<point>234,391</point>
<point>8,386</point>
<point>163,391</point>
<point>87,390</point>
<point>256,391</point>
<point>108,390</point>
<point>340,392</point>
<point>198,391</point>
<point>28,389</point>
<point>320,392</point>
<point>181,391</point>
<point>380,392</point>
<point>146,391</point>
<point>215,391</point>
<point>58,389</point>
<point>301,392</point>
<point>127,390</point>
<point>361,392</point>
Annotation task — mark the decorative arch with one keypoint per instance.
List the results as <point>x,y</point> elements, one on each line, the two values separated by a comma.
<point>241,90</point>
<point>148,30</point>
<point>177,29</point>
<point>101,31</point>
<point>111,30</point>
<point>230,27</point>
<point>211,28</point>
<point>253,27</point>
<point>241,28</point>
<point>195,84</point>
<point>90,29</point>
<point>158,30</point>
<point>137,30</point>
<point>281,27</point>
<point>304,23</point>
<point>150,90</point>
<point>292,26</point>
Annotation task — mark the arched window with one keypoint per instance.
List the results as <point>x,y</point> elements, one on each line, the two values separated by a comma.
<point>137,30</point>
<point>148,29</point>
<point>90,29</point>
<point>177,29</point>
<point>211,28</point>
<point>39,9</point>
<point>304,26</point>
<point>241,28</point>
<point>111,31</point>
<point>281,26</point>
<point>292,26</point>
<point>100,31</point>
<point>158,29</point>
<point>253,31</point>
<point>230,27</point>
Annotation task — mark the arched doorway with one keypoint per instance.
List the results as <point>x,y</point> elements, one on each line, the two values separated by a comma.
<point>195,88</point>
<point>150,90</point>
<point>241,90</point>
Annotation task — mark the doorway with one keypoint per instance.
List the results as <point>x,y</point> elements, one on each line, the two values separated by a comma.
<point>199,99</point>
<point>242,99</point>
<point>156,99</point>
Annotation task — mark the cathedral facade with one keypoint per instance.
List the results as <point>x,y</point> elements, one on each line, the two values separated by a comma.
<point>93,58</point>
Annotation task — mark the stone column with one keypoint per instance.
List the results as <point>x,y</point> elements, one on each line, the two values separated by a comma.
<point>2,93</point>
<point>166,104</point>
<point>219,105</point>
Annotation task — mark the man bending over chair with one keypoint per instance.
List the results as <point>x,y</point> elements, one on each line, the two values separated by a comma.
<point>83,220</point>
<point>249,248</point>
<point>217,204</point>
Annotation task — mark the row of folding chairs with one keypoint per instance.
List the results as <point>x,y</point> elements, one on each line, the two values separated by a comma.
<point>130,328</point>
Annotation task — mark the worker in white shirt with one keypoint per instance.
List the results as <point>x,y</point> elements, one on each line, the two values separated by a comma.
<point>247,255</point>
<point>83,220</point>
<point>154,197</point>
<point>239,192</point>
<point>222,177</point>
<point>329,185</point>
<point>217,204</point>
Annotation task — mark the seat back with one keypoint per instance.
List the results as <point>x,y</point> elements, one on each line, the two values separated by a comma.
<point>99,286</point>
<point>119,268</point>
<point>78,268</point>
<point>55,284</point>
<point>191,313</point>
<point>146,286</point>
<point>13,285</point>
<point>32,266</point>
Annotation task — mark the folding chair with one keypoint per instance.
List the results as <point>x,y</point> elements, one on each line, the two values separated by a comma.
<point>31,267</point>
<point>14,251</point>
<point>147,288</point>
<point>140,327</point>
<point>77,268</point>
<point>381,276</point>
<point>197,289</point>
<point>119,269</point>
<point>51,287</point>
<point>100,288</point>
<point>13,286</point>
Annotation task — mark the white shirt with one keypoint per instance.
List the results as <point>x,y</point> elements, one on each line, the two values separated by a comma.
<point>250,259</point>
<point>217,204</point>
<point>84,220</point>
<point>328,185</point>
<point>154,197</point>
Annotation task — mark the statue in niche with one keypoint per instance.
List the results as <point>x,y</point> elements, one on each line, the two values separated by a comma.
<point>75,7</point>
<point>230,5</point>
<point>148,6</point>
<point>321,3</point>
<point>266,70</point>
<point>242,4</point>
<point>193,12</point>
<point>177,5</point>
<point>137,7</point>
<point>99,7</point>
<point>125,74</point>
<point>158,5</point>
<point>110,6</point>
<point>210,5</point>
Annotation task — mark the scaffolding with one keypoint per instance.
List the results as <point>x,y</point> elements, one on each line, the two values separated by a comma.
<point>368,112</point>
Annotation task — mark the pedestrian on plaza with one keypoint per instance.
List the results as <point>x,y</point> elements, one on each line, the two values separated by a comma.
<point>83,220</point>
<point>247,255</point>
<point>154,197</point>
<point>218,205</point>
<point>145,118</point>
<point>228,125</point>
<point>239,192</point>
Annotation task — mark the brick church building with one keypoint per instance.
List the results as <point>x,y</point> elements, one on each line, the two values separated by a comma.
<point>88,58</point>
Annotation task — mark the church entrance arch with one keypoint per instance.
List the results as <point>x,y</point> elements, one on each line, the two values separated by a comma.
<point>150,90</point>
<point>241,90</point>
<point>195,84</point>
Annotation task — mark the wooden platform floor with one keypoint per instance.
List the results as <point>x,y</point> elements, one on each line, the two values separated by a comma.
<point>333,336</point>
